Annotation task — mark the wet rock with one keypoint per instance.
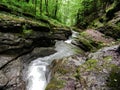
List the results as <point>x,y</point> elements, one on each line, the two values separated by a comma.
<point>13,72</point>
<point>61,33</point>
<point>4,59</point>
<point>3,79</point>
<point>37,52</point>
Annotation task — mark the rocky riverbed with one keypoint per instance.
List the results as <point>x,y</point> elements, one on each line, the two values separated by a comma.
<point>96,71</point>
<point>18,37</point>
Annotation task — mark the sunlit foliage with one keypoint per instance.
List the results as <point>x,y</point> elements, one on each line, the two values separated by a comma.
<point>69,12</point>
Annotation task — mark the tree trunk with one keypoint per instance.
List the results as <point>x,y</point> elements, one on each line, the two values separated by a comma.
<point>27,1</point>
<point>56,8</point>
<point>40,7</point>
<point>35,5</point>
<point>46,4</point>
<point>33,1</point>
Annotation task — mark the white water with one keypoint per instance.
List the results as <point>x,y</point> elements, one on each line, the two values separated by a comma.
<point>38,72</point>
<point>74,34</point>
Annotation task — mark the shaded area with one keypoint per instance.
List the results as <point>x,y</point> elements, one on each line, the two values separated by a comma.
<point>113,81</point>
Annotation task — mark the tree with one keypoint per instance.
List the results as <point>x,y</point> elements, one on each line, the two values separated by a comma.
<point>56,9</point>
<point>46,4</point>
<point>40,7</point>
<point>27,1</point>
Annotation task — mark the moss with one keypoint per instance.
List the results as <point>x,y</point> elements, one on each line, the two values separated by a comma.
<point>85,44</point>
<point>59,67</point>
<point>110,7</point>
<point>84,34</point>
<point>113,81</point>
<point>77,74</point>
<point>27,31</point>
<point>96,65</point>
<point>93,44</point>
<point>88,44</point>
<point>91,64</point>
<point>62,70</point>
<point>108,58</point>
<point>55,84</point>
<point>118,24</point>
<point>99,22</point>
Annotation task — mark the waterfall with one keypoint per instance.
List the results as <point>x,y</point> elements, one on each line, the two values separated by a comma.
<point>38,71</point>
<point>74,34</point>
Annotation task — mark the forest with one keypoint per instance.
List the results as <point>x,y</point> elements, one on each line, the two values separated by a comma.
<point>59,44</point>
<point>65,11</point>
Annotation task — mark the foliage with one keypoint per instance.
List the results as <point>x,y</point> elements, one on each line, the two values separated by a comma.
<point>69,12</point>
<point>64,11</point>
<point>55,84</point>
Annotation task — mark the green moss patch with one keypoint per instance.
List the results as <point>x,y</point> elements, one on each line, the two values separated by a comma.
<point>113,81</point>
<point>55,84</point>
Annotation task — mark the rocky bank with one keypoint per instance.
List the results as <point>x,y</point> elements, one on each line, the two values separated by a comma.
<point>98,68</point>
<point>23,39</point>
<point>18,37</point>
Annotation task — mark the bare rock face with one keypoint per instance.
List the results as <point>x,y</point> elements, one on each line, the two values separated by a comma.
<point>12,43</point>
<point>10,73</point>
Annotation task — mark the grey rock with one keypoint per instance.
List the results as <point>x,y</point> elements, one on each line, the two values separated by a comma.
<point>3,79</point>
<point>5,59</point>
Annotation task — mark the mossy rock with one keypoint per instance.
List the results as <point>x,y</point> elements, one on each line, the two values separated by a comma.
<point>113,81</point>
<point>84,44</point>
<point>88,44</point>
<point>55,84</point>
<point>111,30</point>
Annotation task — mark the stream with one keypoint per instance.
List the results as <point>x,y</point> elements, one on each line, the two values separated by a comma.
<point>38,75</point>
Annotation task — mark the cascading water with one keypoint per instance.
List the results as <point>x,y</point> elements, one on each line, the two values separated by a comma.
<point>38,71</point>
<point>74,34</point>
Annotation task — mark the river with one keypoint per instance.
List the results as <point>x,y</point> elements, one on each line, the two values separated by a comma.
<point>38,74</point>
